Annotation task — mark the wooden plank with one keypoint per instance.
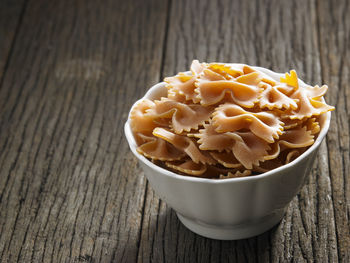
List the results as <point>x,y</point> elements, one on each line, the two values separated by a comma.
<point>334,41</point>
<point>70,189</point>
<point>280,35</point>
<point>11,13</point>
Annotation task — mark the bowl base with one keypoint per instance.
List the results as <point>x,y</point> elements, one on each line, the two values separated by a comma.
<point>235,232</point>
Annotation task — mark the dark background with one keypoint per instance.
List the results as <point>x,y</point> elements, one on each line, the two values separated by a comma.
<point>70,189</point>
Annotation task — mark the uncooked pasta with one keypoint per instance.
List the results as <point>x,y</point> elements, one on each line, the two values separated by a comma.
<point>228,120</point>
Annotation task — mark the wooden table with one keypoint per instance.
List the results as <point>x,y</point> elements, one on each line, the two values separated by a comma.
<point>70,189</point>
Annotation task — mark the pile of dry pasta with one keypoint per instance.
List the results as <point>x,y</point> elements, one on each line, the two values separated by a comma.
<point>228,120</point>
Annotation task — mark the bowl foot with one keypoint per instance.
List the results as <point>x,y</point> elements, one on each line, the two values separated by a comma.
<point>234,232</point>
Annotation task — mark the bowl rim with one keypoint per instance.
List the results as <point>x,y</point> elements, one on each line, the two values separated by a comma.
<point>132,144</point>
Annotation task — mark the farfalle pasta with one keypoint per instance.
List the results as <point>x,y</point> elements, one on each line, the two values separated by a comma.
<point>228,120</point>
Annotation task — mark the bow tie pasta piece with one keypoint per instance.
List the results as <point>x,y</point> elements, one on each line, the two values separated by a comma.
<point>291,79</point>
<point>308,106</point>
<point>316,91</point>
<point>213,92</point>
<point>184,144</point>
<point>231,117</point>
<point>273,97</point>
<point>246,148</point>
<point>181,87</point>
<point>209,139</point>
<point>249,149</point>
<point>297,138</point>
<point>139,121</point>
<point>188,167</point>
<point>197,67</point>
<point>183,117</point>
<point>159,149</point>
<point>176,96</point>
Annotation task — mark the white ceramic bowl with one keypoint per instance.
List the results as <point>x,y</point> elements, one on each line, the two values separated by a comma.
<point>235,208</point>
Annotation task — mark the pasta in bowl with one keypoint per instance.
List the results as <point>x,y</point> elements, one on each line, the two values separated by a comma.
<point>257,129</point>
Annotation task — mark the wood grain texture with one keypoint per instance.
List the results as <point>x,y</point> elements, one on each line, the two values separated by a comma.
<point>334,42</point>
<point>70,190</point>
<point>276,34</point>
<point>11,14</point>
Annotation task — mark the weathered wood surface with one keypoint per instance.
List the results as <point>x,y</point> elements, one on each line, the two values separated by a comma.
<point>334,44</point>
<point>11,13</point>
<point>71,191</point>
